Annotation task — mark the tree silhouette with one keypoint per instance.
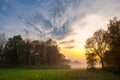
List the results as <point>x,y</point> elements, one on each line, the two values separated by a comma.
<point>3,41</point>
<point>112,56</point>
<point>96,45</point>
<point>13,47</point>
<point>91,60</point>
<point>18,52</point>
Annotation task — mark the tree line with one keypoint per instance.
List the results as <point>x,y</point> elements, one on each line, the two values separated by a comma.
<point>104,46</point>
<point>16,52</point>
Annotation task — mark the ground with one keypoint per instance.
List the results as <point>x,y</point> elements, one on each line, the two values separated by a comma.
<point>56,74</point>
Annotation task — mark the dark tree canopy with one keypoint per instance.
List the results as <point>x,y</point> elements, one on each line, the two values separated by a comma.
<point>106,45</point>
<point>3,41</point>
<point>91,60</point>
<point>112,56</point>
<point>40,54</point>
<point>96,46</point>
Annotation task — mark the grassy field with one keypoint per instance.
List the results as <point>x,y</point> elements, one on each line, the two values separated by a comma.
<point>56,74</point>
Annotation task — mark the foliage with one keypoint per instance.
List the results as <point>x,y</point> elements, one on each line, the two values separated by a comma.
<point>96,46</point>
<point>91,60</point>
<point>106,45</point>
<point>38,54</point>
<point>112,56</point>
<point>2,45</point>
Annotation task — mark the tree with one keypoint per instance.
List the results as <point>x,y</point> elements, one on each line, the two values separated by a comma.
<point>27,51</point>
<point>96,45</point>
<point>53,55</point>
<point>18,52</point>
<point>42,53</point>
<point>39,52</point>
<point>112,56</point>
<point>91,60</point>
<point>52,52</point>
<point>14,49</point>
<point>3,41</point>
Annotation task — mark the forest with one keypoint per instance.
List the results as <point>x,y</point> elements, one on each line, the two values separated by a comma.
<point>18,53</point>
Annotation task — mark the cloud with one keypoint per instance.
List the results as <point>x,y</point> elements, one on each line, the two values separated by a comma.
<point>67,42</point>
<point>54,18</point>
<point>26,32</point>
<point>69,47</point>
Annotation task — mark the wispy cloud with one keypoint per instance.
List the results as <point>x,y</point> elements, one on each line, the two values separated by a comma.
<point>67,42</point>
<point>54,18</point>
<point>69,47</point>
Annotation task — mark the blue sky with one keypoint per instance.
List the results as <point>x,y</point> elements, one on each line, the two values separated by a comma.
<point>70,22</point>
<point>43,18</point>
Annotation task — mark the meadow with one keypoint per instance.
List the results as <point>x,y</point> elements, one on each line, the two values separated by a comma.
<point>56,74</point>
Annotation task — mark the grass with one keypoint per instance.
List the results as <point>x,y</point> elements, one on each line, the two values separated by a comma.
<point>56,74</point>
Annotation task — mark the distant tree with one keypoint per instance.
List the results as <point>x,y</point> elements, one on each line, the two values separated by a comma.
<point>42,53</point>
<point>91,60</point>
<point>96,45</point>
<point>19,52</point>
<point>52,52</point>
<point>27,51</point>
<point>53,55</point>
<point>39,52</point>
<point>51,42</point>
<point>112,56</point>
<point>13,49</point>
<point>3,41</point>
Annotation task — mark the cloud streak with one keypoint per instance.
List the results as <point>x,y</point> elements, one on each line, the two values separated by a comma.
<point>69,47</point>
<point>54,18</point>
<point>67,42</point>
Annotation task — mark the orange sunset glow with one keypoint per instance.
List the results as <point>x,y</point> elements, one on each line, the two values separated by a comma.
<point>70,23</point>
<point>76,40</point>
<point>59,39</point>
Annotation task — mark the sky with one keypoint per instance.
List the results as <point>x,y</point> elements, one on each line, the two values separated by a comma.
<point>69,22</point>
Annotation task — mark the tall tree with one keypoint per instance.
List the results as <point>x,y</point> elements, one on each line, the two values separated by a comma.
<point>112,56</point>
<point>19,52</point>
<point>91,60</point>
<point>53,55</point>
<point>96,44</point>
<point>13,47</point>
<point>3,41</point>
<point>28,49</point>
<point>42,53</point>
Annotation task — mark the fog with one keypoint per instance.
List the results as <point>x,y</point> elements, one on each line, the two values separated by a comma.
<point>82,64</point>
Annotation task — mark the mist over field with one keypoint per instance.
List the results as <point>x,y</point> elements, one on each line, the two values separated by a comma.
<point>59,39</point>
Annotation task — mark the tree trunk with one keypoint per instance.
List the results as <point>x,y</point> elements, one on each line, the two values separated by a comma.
<point>101,59</point>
